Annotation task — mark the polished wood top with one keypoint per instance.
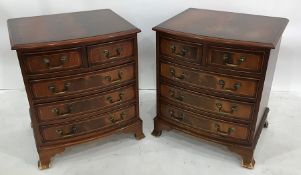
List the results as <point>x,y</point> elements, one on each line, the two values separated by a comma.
<point>228,27</point>
<point>49,30</point>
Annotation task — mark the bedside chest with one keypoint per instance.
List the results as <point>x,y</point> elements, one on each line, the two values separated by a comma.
<point>214,75</point>
<point>81,77</point>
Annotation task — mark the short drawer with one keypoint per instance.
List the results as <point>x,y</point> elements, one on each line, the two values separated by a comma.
<point>181,50</point>
<point>222,83</point>
<point>52,61</point>
<point>221,129</point>
<point>76,84</point>
<point>73,129</point>
<point>242,60</point>
<point>112,51</point>
<point>69,108</point>
<point>213,104</point>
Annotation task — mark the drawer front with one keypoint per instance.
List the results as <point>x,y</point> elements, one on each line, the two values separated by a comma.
<point>66,109</point>
<point>76,84</point>
<point>233,85</point>
<point>182,51</point>
<point>219,128</point>
<point>113,51</point>
<point>235,59</point>
<point>52,61</point>
<point>208,103</point>
<point>51,133</point>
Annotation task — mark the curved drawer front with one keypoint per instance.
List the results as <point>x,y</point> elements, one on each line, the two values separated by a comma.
<point>113,51</point>
<point>51,133</point>
<point>76,84</point>
<point>219,128</point>
<point>235,59</point>
<point>233,85</point>
<point>52,61</point>
<point>68,108</point>
<point>181,50</point>
<point>208,103</point>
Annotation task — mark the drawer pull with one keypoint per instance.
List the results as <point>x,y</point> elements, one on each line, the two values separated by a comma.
<point>72,131</point>
<point>110,98</point>
<point>173,74</point>
<point>173,95</point>
<point>236,86</point>
<point>227,61</point>
<point>220,109</point>
<point>179,117</point>
<point>63,60</point>
<point>111,80</point>
<point>57,111</point>
<point>52,88</point>
<point>182,53</point>
<point>108,56</point>
<point>121,117</point>
<point>223,133</point>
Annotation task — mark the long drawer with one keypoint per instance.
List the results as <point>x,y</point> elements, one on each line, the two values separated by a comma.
<point>84,82</point>
<point>220,106</point>
<point>69,108</point>
<point>219,128</point>
<point>74,129</point>
<point>221,83</point>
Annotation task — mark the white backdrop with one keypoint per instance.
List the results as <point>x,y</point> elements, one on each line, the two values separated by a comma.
<point>146,14</point>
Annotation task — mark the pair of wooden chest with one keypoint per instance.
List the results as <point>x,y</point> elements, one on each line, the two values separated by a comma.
<point>214,74</point>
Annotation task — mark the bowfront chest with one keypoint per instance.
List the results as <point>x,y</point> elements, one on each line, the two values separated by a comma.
<point>80,72</point>
<point>214,75</point>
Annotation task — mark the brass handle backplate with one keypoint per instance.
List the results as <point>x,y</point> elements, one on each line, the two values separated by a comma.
<point>121,117</point>
<point>173,74</point>
<point>108,56</point>
<point>223,133</point>
<point>61,133</point>
<point>178,97</point>
<point>52,88</point>
<point>182,53</point>
<point>220,108</point>
<point>180,117</point>
<point>58,112</point>
<point>111,80</point>
<point>111,100</point>
<point>63,59</point>
<point>229,62</point>
<point>236,86</point>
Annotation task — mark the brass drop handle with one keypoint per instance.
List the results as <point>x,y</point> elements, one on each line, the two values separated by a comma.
<point>63,59</point>
<point>108,56</point>
<point>121,117</point>
<point>52,88</point>
<point>227,60</point>
<point>110,98</point>
<point>223,133</point>
<point>180,117</point>
<point>173,74</point>
<point>174,96</point>
<point>236,86</point>
<point>111,80</point>
<point>220,108</point>
<point>182,53</point>
<point>61,133</point>
<point>58,112</point>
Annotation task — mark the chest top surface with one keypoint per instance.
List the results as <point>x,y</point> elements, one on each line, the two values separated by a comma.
<point>257,30</point>
<point>49,29</point>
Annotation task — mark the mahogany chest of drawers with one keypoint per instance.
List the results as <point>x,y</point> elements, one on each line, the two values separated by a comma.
<point>214,75</point>
<point>81,77</point>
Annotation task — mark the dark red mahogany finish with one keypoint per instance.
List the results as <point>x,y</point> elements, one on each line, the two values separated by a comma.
<point>214,75</point>
<point>80,72</point>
